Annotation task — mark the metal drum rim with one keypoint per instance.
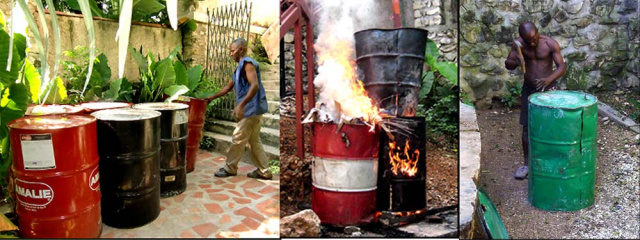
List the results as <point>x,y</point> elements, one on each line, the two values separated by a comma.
<point>179,106</point>
<point>390,30</point>
<point>153,114</point>
<point>92,119</point>
<point>568,108</point>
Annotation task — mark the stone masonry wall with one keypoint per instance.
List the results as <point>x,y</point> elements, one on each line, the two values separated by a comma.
<point>599,41</point>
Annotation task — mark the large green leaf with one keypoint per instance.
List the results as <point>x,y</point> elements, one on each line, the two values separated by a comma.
<point>114,89</point>
<point>181,73</point>
<point>20,44</point>
<point>144,8</point>
<point>95,10</point>
<point>18,94</point>
<point>431,54</point>
<point>32,79</point>
<point>126,91</point>
<point>58,92</point>
<point>165,75</point>
<point>175,91</point>
<point>102,66</point>
<point>205,94</point>
<point>427,83</point>
<point>449,70</point>
<point>194,76</point>
<point>141,60</point>
<point>7,77</point>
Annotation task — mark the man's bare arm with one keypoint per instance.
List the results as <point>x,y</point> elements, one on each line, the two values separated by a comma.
<point>513,60</point>
<point>222,91</point>
<point>556,55</point>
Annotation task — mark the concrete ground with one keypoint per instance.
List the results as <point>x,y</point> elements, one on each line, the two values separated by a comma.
<point>214,207</point>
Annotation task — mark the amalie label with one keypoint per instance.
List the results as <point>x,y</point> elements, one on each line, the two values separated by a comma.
<point>94,179</point>
<point>33,194</point>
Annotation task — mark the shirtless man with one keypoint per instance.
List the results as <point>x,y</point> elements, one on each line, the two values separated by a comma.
<point>539,52</point>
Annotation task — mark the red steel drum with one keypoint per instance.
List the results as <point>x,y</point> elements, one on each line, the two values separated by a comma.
<point>197,111</point>
<point>57,181</point>
<point>344,173</point>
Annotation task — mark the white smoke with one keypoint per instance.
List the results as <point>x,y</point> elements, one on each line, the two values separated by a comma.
<point>335,48</point>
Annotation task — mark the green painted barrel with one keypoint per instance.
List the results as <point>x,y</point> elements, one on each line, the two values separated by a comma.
<point>562,150</point>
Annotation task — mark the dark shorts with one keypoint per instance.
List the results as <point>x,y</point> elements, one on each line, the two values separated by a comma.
<point>524,99</point>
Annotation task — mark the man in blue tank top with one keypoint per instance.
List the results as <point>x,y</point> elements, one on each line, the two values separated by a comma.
<point>251,103</point>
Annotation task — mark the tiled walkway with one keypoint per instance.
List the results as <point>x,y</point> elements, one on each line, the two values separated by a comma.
<point>214,207</point>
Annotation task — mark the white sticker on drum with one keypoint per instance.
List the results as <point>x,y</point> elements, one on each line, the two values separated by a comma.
<point>37,151</point>
<point>169,178</point>
<point>181,117</point>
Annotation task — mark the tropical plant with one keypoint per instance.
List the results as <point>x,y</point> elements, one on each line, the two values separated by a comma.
<point>514,92</point>
<point>99,87</point>
<point>151,11</point>
<point>439,104</point>
<point>158,77</point>
<point>14,86</point>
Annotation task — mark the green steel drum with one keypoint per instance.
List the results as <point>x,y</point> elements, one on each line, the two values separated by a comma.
<point>562,150</point>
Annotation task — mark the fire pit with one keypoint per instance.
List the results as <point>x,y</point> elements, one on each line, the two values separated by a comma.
<point>401,196</point>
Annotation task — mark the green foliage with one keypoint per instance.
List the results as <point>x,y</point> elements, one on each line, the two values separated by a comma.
<point>159,77</point>
<point>635,114</point>
<point>209,85</point>
<point>99,87</point>
<point>513,94</point>
<point>274,166</point>
<point>438,100</point>
<point>207,143</point>
<point>464,97</point>
<point>151,11</point>
<point>442,114</point>
<point>14,95</point>
<point>258,52</point>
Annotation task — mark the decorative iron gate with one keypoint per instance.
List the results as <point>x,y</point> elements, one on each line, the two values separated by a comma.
<point>226,23</point>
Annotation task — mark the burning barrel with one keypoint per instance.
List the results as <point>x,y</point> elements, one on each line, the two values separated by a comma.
<point>391,62</point>
<point>173,142</point>
<point>129,145</point>
<point>344,173</point>
<point>402,167</point>
<point>55,162</point>
<point>562,150</point>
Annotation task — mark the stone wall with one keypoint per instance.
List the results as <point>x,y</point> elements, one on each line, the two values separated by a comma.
<point>599,41</point>
<point>439,17</point>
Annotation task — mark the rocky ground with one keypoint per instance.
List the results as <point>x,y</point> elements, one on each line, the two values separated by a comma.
<point>616,211</point>
<point>442,177</point>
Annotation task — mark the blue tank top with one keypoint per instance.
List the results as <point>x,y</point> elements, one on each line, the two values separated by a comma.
<point>258,105</point>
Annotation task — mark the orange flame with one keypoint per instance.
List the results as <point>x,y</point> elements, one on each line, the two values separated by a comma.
<point>402,161</point>
<point>338,80</point>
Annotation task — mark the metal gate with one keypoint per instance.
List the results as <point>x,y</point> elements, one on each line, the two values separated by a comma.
<point>226,23</point>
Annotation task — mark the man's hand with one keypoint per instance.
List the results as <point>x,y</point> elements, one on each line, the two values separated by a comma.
<point>238,112</point>
<point>542,83</point>
<point>520,56</point>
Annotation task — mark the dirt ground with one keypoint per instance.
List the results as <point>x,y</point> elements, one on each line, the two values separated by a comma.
<point>616,211</point>
<point>442,172</point>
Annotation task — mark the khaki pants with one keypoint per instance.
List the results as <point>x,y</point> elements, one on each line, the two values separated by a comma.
<point>247,131</point>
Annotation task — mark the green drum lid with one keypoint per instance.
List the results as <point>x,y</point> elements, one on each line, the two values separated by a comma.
<point>562,99</point>
<point>489,217</point>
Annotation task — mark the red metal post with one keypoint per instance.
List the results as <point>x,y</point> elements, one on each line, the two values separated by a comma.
<point>397,19</point>
<point>297,32</point>
<point>310,61</point>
